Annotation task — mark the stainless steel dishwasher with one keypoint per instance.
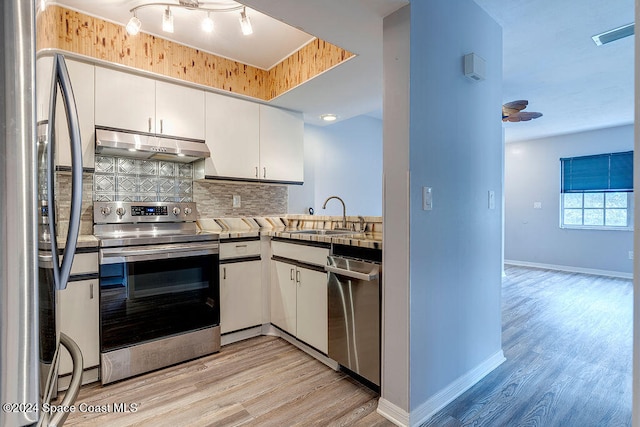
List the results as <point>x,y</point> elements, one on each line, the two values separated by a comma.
<point>354,315</point>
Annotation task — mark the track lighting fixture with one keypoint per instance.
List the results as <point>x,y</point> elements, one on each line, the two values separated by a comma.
<point>167,21</point>
<point>245,23</point>
<point>207,23</point>
<point>134,25</point>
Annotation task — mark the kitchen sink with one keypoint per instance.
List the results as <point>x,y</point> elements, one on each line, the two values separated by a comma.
<point>323,232</point>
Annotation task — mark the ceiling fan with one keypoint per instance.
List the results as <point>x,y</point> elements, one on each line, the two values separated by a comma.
<point>512,112</point>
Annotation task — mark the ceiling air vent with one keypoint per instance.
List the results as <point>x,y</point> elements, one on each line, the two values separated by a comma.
<point>613,35</point>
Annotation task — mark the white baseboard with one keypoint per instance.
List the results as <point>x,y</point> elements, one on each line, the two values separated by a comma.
<point>570,269</point>
<point>393,413</point>
<point>441,399</point>
<point>231,337</point>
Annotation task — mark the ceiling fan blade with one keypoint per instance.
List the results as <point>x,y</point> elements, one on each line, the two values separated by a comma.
<point>522,116</point>
<point>516,105</point>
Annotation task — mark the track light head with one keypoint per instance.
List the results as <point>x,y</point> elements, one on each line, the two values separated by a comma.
<point>133,26</point>
<point>245,23</point>
<point>167,21</point>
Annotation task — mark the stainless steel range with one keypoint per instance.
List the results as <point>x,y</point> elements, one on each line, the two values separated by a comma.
<point>159,287</point>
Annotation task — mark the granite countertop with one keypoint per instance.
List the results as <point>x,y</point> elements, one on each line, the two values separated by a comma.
<point>286,227</point>
<point>84,241</point>
<point>370,240</point>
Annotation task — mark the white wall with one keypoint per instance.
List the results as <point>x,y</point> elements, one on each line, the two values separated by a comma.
<point>532,174</point>
<point>455,250</point>
<point>343,159</point>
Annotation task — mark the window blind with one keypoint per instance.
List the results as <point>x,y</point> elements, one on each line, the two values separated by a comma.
<point>602,172</point>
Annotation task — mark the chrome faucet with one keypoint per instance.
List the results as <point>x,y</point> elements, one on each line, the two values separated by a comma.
<point>344,209</point>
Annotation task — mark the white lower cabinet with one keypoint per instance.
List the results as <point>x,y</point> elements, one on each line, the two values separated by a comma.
<point>311,308</point>
<point>299,303</point>
<point>283,296</point>
<point>78,307</point>
<point>240,295</point>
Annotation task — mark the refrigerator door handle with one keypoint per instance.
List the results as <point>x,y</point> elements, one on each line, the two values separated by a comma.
<point>60,77</point>
<point>76,380</point>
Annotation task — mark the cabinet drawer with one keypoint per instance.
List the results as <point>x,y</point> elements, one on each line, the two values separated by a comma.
<point>84,263</point>
<point>239,249</point>
<point>303,253</point>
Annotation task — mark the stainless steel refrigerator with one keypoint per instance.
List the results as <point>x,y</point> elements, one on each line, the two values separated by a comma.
<point>30,270</point>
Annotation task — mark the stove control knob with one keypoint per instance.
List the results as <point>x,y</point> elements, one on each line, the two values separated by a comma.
<point>120,212</point>
<point>105,211</point>
<point>176,211</point>
<point>187,211</point>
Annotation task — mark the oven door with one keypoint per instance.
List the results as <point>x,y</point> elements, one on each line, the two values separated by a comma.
<point>156,291</point>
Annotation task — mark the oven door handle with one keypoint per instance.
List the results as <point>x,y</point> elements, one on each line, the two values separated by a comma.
<point>136,253</point>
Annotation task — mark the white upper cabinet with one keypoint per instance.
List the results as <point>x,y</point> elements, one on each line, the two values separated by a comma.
<point>233,137</point>
<point>125,101</point>
<point>179,111</point>
<point>82,82</point>
<point>131,102</point>
<point>252,141</point>
<point>281,145</point>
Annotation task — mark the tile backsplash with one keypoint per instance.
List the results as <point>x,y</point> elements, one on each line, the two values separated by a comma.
<point>141,180</point>
<point>135,180</point>
<point>215,199</point>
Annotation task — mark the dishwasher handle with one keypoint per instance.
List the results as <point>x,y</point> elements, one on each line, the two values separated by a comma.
<point>368,277</point>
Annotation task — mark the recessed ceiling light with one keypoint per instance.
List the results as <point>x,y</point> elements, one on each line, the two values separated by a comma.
<point>613,35</point>
<point>329,117</point>
<point>207,24</point>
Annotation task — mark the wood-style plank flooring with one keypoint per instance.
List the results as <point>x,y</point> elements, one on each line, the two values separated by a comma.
<point>264,381</point>
<point>567,339</point>
<point>568,342</point>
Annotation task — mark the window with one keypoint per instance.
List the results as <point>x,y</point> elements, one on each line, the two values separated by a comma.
<point>597,191</point>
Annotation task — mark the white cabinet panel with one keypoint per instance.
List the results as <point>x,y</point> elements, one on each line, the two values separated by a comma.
<point>233,137</point>
<point>82,82</point>
<point>240,295</point>
<point>281,145</point>
<point>283,296</point>
<point>239,249</point>
<point>300,252</point>
<point>311,308</point>
<point>125,101</point>
<point>179,111</point>
<point>78,316</point>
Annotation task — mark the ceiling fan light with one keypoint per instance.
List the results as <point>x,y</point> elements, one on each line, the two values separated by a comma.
<point>167,21</point>
<point>133,26</point>
<point>207,24</point>
<point>245,23</point>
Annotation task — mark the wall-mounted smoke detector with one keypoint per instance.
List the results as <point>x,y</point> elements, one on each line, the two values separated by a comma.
<point>613,35</point>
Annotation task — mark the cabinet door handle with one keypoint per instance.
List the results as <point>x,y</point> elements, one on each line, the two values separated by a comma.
<point>224,273</point>
<point>264,172</point>
<point>298,277</point>
<point>149,124</point>
<point>91,291</point>
<point>161,127</point>
<point>241,246</point>
<point>291,275</point>
<point>256,172</point>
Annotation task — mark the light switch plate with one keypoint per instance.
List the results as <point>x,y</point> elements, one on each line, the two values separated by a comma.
<point>236,200</point>
<point>427,199</point>
<point>492,199</point>
<point>537,205</point>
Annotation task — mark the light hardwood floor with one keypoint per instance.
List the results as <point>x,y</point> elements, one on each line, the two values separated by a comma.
<point>263,381</point>
<point>568,342</point>
<point>567,339</point>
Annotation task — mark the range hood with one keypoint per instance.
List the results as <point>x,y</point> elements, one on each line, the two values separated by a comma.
<point>113,142</point>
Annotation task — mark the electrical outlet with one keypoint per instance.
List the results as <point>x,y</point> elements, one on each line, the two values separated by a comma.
<point>236,200</point>
<point>630,254</point>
